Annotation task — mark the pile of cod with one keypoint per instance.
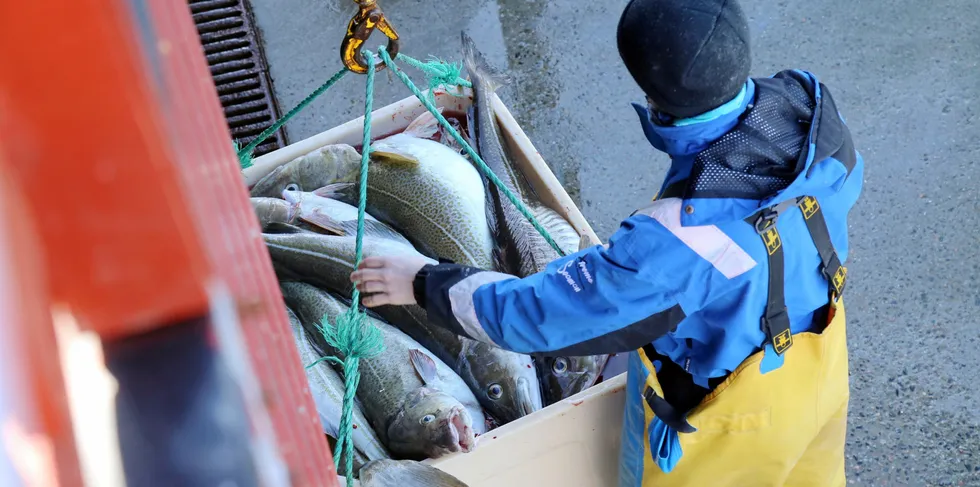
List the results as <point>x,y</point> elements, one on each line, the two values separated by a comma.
<point>431,392</point>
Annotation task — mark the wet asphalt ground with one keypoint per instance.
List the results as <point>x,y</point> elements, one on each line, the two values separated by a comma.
<point>906,77</point>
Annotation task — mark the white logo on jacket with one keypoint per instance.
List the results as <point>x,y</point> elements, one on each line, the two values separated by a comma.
<point>563,270</point>
<point>585,271</point>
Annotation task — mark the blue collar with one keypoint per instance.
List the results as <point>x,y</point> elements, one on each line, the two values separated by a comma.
<point>686,137</point>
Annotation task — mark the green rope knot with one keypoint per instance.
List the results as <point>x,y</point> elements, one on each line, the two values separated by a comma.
<point>351,337</point>
<point>354,340</point>
<point>438,73</point>
<point>244,157</point>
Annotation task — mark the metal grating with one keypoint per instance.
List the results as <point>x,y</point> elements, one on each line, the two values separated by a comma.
<point>233,49</point>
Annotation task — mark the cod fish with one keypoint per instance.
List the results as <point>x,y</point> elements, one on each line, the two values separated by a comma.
<point>277,216</point>
<point>325,261</point>
<point>328,394</point>
<point>430,193</point>
<point>418,406</point>
<point>521,250</point>
<point>321,209</point>
<point>505,382</point>
<point>405,473</point>
<point>323,166</point>
<point>563,377</point>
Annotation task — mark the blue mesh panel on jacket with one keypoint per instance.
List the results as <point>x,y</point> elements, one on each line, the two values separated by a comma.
<point>758,157</point>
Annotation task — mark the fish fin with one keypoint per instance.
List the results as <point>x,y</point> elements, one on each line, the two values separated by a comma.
<point>325,222</point>
<point>424,365</point>
<point>567,238</point>
<point>381,230</point>
<point>332,191</point>
<point>374,228</point>
<point>393,158</point>
<point>425,126</point>
<point>584,242</point>
<point>476,62</point>
<point>471,131</point>
<point>602,360</point>
<point>280,227</point>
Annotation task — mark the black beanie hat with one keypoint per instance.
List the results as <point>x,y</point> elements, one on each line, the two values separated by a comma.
<point>689,56</point>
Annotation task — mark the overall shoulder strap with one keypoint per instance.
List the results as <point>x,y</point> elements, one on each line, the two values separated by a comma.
<point>775,320</point>
<point>830,265</point>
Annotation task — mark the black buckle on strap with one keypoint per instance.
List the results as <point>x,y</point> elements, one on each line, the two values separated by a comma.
<point>766,218</point>
<point>776,327</point>
<point>667,413</point>
<point>836,275</point>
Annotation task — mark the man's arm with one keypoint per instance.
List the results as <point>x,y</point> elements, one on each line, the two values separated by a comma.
<point>605,299</point>
<point>608,299</point>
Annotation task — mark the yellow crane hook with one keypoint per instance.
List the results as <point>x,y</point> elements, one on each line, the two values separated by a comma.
<point>368,18</point>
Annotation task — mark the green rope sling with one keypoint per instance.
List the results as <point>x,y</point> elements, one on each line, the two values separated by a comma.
<point>349,335</point>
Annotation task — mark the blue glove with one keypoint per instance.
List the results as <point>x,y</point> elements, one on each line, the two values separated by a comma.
<point>665,445</point>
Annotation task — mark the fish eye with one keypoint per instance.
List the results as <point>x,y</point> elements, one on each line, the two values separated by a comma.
<point>428,418</point>
<point>292,187</point>
<point>495,391</point>
<point>560,366</point>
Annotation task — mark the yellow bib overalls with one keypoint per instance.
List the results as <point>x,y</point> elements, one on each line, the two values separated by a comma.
<point>786,427</point>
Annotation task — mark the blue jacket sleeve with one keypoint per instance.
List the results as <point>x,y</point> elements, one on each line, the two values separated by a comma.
<point>605,299</point>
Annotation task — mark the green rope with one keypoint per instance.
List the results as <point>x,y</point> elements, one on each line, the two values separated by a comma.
<point>469,150</point>
<point>245,155</point>
<point>438,73</point>
<point>352,337</point>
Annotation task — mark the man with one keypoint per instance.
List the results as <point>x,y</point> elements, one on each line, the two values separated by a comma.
<point>726,288</point>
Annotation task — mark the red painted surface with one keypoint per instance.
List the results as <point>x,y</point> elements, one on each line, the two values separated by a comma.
<point>111,128</point>
<point>231,239</point>
<point>85,138</point>
<point>35,423</point>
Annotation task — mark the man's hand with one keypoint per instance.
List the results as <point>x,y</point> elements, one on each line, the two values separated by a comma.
<point>387,280</point>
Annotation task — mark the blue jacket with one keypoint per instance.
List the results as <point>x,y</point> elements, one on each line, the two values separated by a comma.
<point>686,273</point>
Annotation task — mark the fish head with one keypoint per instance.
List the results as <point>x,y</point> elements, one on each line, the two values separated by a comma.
<point>293,195</point>
<point>326,165</point>
<point>563,377</point>
<point>431,424</point>
<point>332,191</point>
<point>506,382</point>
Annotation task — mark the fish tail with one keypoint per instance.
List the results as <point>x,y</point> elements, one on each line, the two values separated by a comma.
<point>425,126</point>
<point>333,191</point>
<point>478,67</point>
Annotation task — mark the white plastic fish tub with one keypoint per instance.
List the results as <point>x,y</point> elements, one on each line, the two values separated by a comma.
<point>571,443</point>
